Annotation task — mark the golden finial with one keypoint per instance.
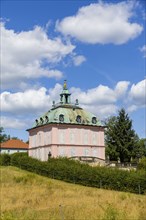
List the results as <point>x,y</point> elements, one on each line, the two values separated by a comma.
<point>65,85</point>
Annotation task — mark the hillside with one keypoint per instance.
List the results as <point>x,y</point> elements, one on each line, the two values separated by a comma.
<point>29,196</point>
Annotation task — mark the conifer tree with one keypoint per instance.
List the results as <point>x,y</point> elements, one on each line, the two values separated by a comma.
<point>120,137</point>
<point>111,150</point>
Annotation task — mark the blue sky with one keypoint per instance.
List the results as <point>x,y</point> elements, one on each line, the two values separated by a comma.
<point>98,46</point>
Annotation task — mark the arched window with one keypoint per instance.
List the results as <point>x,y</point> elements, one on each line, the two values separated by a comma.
<point>36,122</point>
<point>94,120</point>
<point>66,99</point>
<point>61,118</point>
<point>41,119</point>
<point>78,119</point>
<point>47,119</point>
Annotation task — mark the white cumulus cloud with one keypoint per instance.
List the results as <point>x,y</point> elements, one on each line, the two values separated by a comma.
<point>143,50</point>
<point>78,60</point>
<point>23,102</point>
<point>101,94</point>
<point>137,94</point>
<point>30,101</point>
<point>121,88</point>
<point>102,23</point>
<point>29,54</point>
<point>11,122</point>
<point>102,100</point>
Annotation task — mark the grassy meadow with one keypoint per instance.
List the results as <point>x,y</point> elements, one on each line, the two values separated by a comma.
<point>28,196</point>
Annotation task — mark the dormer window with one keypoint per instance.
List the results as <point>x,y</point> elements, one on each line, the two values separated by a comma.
<point>94,120</point>
<point>78,119</point>
<point>36,122</point>
<point>47,119</point>
<point>41,119</point>
<point>61,118</point>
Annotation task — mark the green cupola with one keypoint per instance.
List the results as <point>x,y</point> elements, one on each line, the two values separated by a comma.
<point>67,113</point>
<point>65,95</point>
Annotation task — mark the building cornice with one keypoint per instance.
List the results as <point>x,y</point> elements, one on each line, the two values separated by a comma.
<point>64,124</point>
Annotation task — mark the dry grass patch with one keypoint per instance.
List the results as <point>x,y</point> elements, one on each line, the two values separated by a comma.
<point>28,196</point>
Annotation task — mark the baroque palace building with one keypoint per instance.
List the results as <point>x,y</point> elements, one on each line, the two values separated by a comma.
<point>67,130</point>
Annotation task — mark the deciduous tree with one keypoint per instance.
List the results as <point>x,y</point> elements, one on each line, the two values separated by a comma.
<point>3,137</point>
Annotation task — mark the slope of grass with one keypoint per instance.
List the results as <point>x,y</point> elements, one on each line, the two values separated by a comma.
<point>28,196</point>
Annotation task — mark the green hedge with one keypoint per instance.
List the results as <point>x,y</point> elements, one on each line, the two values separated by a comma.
<point>142,164</point>
<point>5,159</point>
<point>76,172</point>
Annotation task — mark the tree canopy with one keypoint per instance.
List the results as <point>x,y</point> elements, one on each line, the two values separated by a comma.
<point>122,143</point>
<point>4,137</point>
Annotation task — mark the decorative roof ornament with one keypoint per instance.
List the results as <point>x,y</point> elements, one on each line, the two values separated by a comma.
<point>65,85</point>
<point>65,95</point>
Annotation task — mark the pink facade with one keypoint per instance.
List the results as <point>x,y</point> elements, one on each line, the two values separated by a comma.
<point>66,141</point>
<point>66,130</point>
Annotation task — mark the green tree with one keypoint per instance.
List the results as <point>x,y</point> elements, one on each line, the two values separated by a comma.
<point>3,136</point>
<point>15,138</point>
<point>120,137</point>
<point>110,149</point>
<point>142,163</point>
<point>140,149</point>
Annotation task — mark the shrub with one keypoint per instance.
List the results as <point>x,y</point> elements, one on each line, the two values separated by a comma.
<point>142,164</point>
<point>5,159</point>
<point>76,172</point>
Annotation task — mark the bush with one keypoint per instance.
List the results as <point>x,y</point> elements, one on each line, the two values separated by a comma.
<point>5,159</point>
<point>142,164</point>
<point>76,172</point>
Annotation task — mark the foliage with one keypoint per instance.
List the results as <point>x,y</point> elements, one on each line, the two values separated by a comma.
<point>120,139</point>
<point>110,213</point>
<point>142,164</point>
<point>3,137</point>
<point>111,150</point>
<point>5,159</point>
<point>15,138</point>
<point>27,196</point>
<point>140,149</point>
<point>76,172</point>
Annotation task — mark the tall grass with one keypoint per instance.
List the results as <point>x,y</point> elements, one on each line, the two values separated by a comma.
<point>28,196</point>
<point>76,172</point>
